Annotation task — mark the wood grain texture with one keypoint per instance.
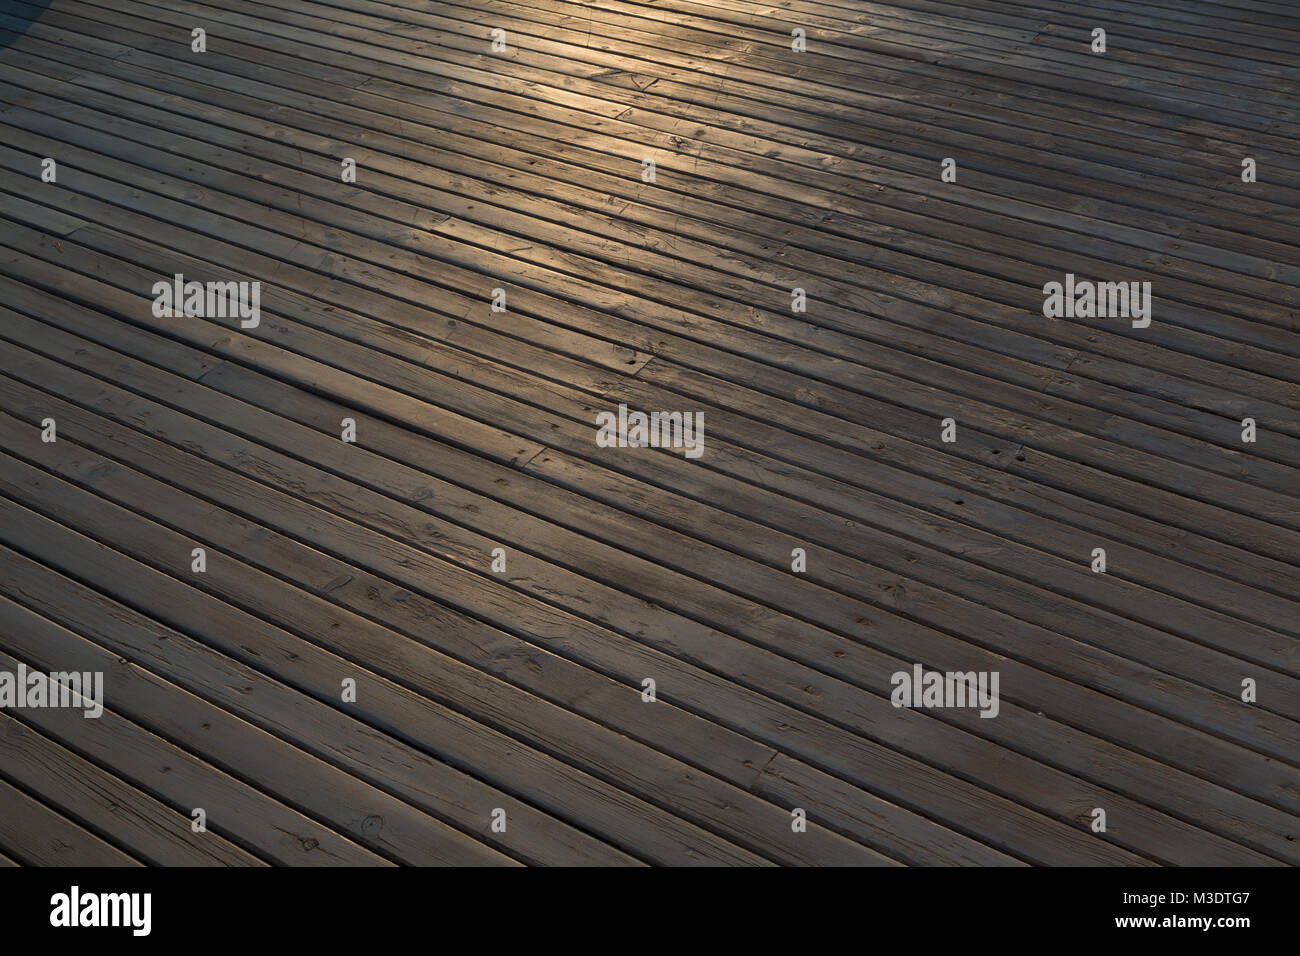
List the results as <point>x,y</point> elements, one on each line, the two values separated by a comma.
<point>485,694</point>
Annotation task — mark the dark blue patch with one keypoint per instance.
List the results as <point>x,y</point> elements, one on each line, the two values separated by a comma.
<point>16,17</point>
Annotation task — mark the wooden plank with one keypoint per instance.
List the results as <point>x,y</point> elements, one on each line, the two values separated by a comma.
<point>407,561</point>
<point>1090,363</point>
<point>553,633</point>
<point>662,782</point>
<point>557,788</point>
<point>496,522</point>
<point>1093,363</point>
<point>264,40</point>
<point>796,455</point>
<point>876,137</point>
<point>699,749</point>
<point>1199,296</point>
<point>419,786</point>
<point>521,688</point>
<point>48,839</point>
<point>158,834</point>
<point>554,436</point>
<point>522,715</point>
<point>379,822</point>
<point>172,775</point>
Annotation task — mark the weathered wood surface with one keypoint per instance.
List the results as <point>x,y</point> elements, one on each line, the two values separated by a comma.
<point>485,694</point>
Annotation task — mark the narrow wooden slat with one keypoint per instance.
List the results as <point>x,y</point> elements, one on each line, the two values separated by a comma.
<point>159,834</point>
<point>520,688</point>
<point>48,839</point>
<point>171,774</point>
<point>372,817</point>
<point>281,508</point>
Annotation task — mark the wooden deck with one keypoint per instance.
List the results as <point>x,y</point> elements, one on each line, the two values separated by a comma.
<point>480,690</point>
